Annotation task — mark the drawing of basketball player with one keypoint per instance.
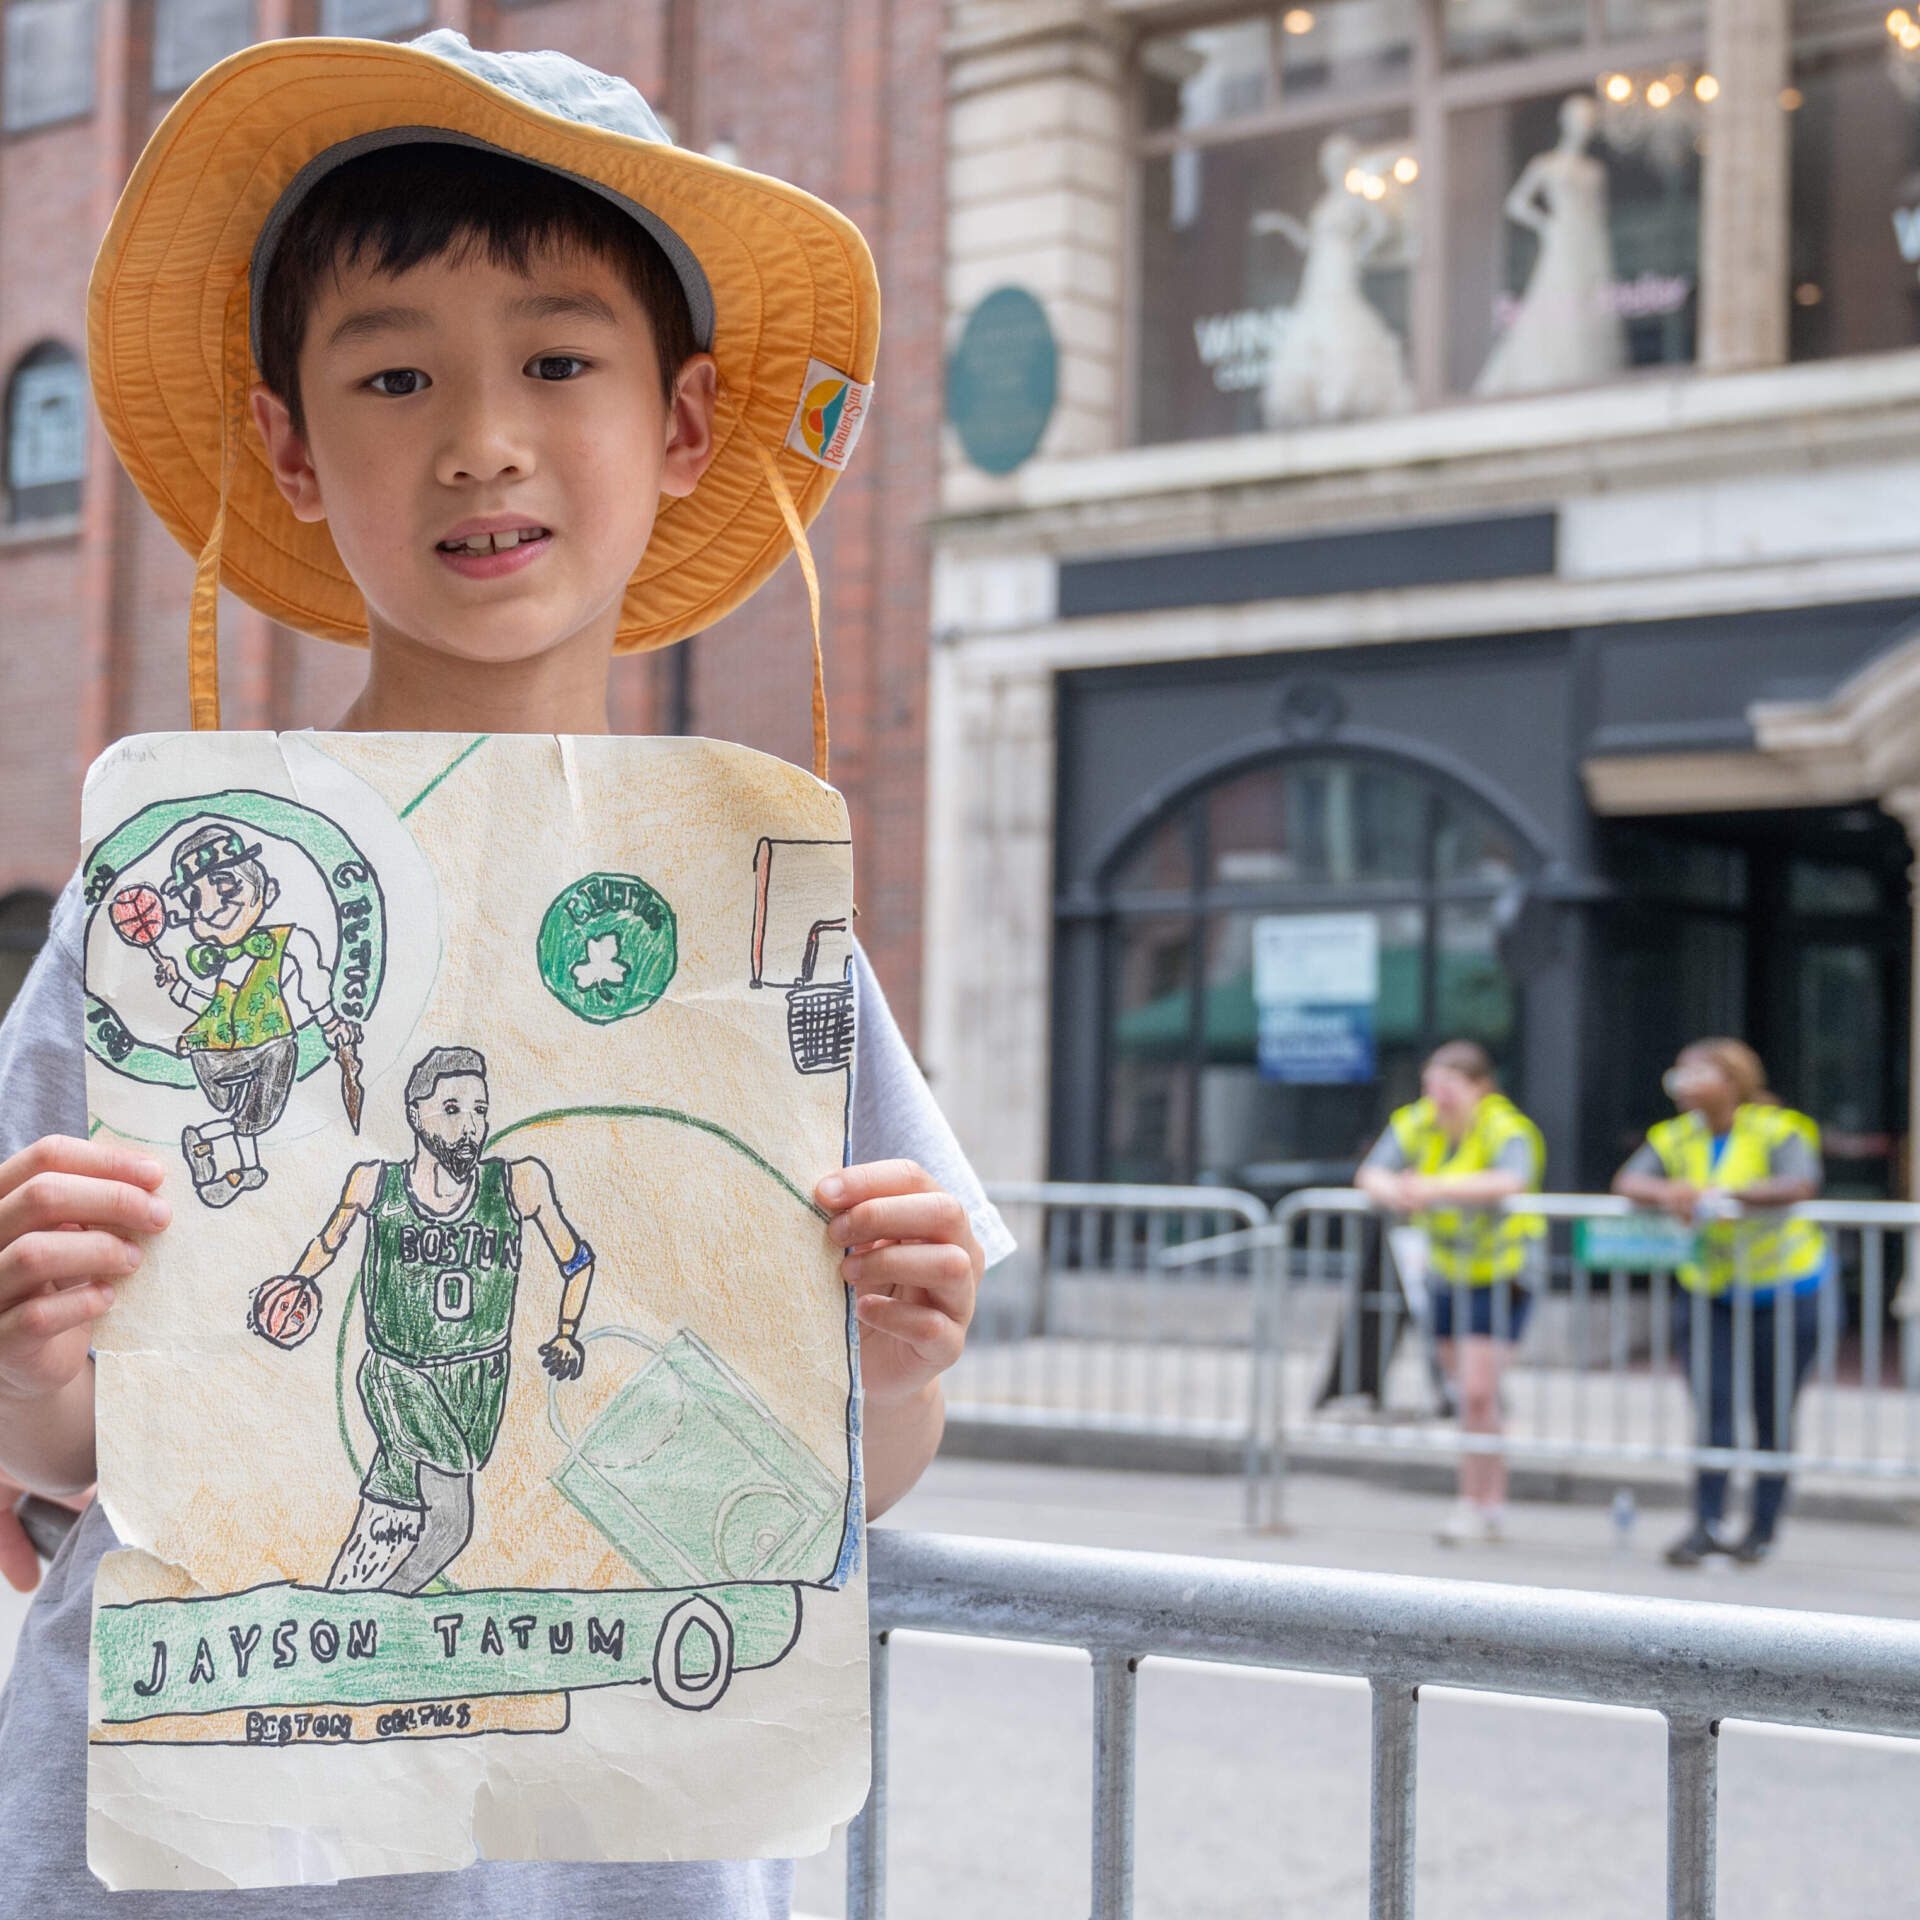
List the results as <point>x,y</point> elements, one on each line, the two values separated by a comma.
<point>251,986</point>
<point>438,1280</point>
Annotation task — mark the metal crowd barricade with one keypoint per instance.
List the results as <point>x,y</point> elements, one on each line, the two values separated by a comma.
<point>1695,1663</point>
<point>1192,1313</point>
<point>1088,1326</point>
<point>1595,1378</point>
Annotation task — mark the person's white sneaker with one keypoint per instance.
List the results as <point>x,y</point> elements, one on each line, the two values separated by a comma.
<point>1467,1525</point>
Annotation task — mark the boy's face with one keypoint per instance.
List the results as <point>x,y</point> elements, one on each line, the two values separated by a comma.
<point>488,449</point>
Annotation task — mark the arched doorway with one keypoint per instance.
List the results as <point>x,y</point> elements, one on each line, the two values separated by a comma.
<point>1221,1059</point>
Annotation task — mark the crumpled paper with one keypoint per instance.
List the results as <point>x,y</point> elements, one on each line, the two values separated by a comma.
<point>651,1641</point>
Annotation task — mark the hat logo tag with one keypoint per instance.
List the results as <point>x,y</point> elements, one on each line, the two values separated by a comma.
<point>826,424</point>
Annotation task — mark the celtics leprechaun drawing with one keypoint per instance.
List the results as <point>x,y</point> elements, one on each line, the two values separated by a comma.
<point>251,985</point>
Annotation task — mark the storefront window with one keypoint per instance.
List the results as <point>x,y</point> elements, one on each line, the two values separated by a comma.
<point>1348,46</point>
<point>1575,241</point>
<point>1855,104</point>
<point>1275,280</point>
<point>1207,75</point>
<point>1479,32</point>
<point>1284,217</point>
<point>1346,918</point>
<point>1652,19</point>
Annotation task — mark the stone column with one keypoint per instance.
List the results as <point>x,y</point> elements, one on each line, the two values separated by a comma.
<point>1037,188</point>
<point>1745,187</point>
<point>989,888</point>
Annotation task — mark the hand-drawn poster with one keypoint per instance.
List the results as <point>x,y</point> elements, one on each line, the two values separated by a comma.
<point>483,1433</point>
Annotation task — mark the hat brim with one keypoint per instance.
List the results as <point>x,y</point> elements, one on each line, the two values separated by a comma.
<point>792,283</point>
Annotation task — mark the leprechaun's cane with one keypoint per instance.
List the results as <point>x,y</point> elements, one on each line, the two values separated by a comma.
<point>351,1095</point>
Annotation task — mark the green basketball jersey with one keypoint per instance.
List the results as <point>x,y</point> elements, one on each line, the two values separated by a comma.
<point>440,1289</point>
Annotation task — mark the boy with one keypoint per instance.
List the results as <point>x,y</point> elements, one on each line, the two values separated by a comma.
<point>525,373</point>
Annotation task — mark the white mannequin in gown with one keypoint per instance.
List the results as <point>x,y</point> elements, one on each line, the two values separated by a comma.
<point>1566,333</point>
<point>1335,359</point>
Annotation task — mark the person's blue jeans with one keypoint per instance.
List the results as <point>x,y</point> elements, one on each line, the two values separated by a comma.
<point>1769,1489</point>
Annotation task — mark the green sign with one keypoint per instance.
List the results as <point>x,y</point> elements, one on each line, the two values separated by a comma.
<point>608,946</point>
<point>1633,1243</point>
<point>1003,379</point>
<point>286,1646</point>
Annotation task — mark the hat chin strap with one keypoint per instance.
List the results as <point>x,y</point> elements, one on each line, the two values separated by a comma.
<point>203,611</point>
<point>804,554</point>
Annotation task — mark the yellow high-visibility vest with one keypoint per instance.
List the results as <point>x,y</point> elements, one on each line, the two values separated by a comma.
<point>1756,1253</point>
<point>1471,1246</point>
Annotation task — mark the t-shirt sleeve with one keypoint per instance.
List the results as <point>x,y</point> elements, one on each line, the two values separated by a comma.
<point>1645,1158</point>
<point>1518,1158</point>
<point>43,1081</point>
<point>1387,1154</point>
<point>1792,1157</point>
<point>895,1116</point>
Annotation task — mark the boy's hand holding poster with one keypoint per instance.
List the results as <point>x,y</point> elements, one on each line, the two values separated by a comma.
<point>483,1433</point>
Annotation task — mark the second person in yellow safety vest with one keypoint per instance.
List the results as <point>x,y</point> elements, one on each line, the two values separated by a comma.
<point>1733,1145</point>
<point>1447,1160</point>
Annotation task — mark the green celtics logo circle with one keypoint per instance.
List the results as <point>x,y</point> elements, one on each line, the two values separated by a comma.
<point>608,946</point>
<point>321,884</point>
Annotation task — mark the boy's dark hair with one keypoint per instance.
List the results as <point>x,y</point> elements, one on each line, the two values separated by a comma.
<point>401,206</point>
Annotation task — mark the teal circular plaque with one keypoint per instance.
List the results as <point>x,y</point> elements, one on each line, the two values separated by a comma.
<point>1003,379</point>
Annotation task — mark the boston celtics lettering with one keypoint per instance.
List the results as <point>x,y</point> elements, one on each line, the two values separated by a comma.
<point>438,1284</point>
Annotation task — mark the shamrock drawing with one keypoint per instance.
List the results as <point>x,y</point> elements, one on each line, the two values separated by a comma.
<point>602,966</point>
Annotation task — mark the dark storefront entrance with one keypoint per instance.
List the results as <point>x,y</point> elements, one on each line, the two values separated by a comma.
<point>1426,800</point>
<point>1306,837</point>
<point>1791,930</point>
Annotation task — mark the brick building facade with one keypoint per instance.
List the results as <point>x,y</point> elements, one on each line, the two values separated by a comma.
<point>842,97</point>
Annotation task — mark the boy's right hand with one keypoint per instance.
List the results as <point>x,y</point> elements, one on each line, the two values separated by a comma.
<point>70,1211</point>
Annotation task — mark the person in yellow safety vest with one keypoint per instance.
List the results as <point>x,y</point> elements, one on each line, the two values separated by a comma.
<point>1732,1141</point>
<point>1443,1160</point>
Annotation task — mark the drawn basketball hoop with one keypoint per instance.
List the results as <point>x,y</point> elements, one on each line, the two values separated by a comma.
<point>802,943</point>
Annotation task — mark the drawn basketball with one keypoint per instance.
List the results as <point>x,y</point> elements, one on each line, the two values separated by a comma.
<point>138,916</point>
<point>285,1309</point>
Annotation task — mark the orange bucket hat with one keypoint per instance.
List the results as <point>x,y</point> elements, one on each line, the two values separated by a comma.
<point>781,289</point>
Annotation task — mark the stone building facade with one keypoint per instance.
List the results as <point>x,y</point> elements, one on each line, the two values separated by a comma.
<point>843,97</point>
<point>1476,524</point>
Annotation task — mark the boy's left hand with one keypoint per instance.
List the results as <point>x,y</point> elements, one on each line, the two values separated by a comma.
<point>914,1267</point>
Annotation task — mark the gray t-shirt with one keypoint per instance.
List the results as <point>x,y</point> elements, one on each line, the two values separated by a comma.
<point>43,1710</point>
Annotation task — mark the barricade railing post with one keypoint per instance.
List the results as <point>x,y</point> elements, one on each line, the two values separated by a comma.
<point>1873,1302</point>
<point>867,1831</point>
<point>1395,1770</point>
<point>1115,1700</point>
<point>1693,1794</point>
